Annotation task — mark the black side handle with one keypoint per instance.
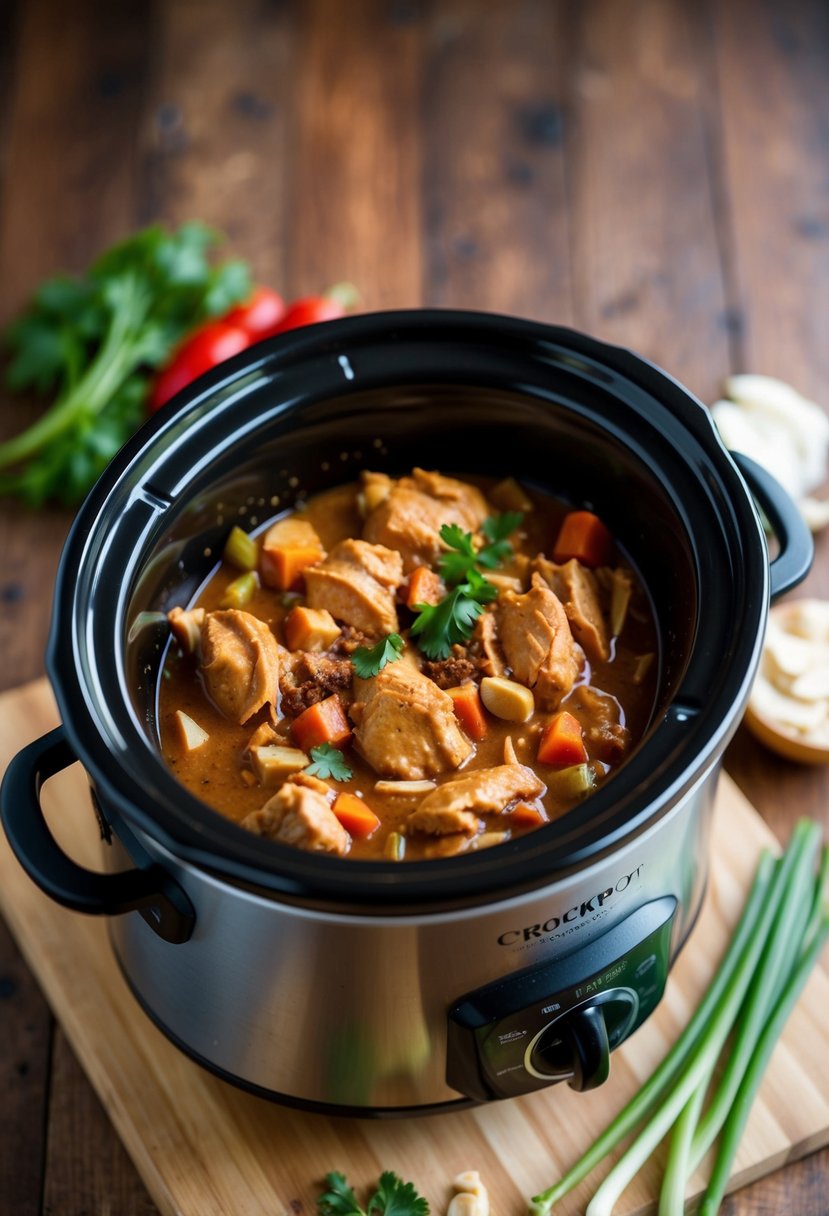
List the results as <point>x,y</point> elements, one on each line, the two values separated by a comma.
<point>149,890</point>
<point>797,549</point>
<point>585,1033</point>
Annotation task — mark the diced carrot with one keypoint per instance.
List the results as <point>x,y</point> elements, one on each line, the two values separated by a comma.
<point>525,816</point>
<point>324,722</point>
<point>281,568</point>
<point>423,587</point>
<point>469,710</point>
<point>357,818</point>
<point>289,546</point>
<point>310,629</point>
<point>584,537</point>
<point>562,742</point>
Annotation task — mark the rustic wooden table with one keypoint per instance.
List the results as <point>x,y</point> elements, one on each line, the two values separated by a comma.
<point>653,171</point>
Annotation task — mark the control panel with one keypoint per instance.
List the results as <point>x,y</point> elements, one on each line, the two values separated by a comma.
<point>559,1020</point>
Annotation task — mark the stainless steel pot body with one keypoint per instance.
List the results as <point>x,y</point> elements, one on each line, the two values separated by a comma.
<point>373,986</point>
<point>337,1010</point>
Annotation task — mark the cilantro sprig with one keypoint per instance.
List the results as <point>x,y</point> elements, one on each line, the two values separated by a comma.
<point>450,622</point>
<point>92,343</point>
<point>496,529</point>
<point>442,626</point>
<point>369,660</point>
<point>463,556</point>
<point>393,1197</point>
<point>328,761</point>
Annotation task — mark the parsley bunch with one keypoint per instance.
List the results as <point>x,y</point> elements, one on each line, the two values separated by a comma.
<point>444,625</point>
<point>393,1197</point>
<point>93,342</point>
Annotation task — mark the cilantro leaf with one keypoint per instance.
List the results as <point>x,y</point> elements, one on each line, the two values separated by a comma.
<point>455,565</point>
<point>499,527</point>
<point>339,1199</point>
<point>450,623</point>
<point>463,557</point>
<point>479,588</point>
<point>38,354</point>
<point>444,625</point>
<point>393,1197</point>
<point>369,660</point>
<point>328,761</point>
<point>496,528</point>
<point>396,1198</point>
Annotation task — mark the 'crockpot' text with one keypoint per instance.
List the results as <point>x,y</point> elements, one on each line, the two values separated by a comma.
<point>590,906</point>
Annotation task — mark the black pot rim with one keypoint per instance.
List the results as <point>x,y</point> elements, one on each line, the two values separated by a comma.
<point>684,747</point>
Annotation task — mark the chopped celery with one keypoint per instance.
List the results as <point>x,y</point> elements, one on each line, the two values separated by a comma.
<point>240,592</point>
<point>241,550</point>
<point>395,849</point>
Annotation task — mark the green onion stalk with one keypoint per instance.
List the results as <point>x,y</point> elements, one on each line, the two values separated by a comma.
<point>757,984</point>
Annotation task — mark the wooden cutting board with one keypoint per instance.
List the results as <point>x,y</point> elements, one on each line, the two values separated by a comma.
<point>204,1148</point>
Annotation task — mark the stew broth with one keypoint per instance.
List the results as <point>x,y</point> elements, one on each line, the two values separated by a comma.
<point>617,691</point>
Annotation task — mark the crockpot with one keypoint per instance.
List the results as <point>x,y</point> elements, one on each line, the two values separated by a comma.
<point>384,987</point>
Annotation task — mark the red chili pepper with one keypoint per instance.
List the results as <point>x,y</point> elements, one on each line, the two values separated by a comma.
<point>205,349</point>
<point>260,316</point>
<point>310,309</point>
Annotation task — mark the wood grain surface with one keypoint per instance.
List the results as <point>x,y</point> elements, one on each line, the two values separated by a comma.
<point>203,1146</point>
<point>653,171</point>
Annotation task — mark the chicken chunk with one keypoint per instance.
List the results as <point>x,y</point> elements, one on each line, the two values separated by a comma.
<point>185,626</point>
<point>606,736</point>
<point>406,726</point>
<point>240,663</point>
<point>578,590</point>
<point>537,642</point>
<point>411,515</point>
<point>442,822</point>
<point>300,814</point>
<point>486,635</point>
<point>374,488</point>
<point>356,584</point>
<point>487,791</point>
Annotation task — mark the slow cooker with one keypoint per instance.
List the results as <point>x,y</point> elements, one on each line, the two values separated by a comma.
<point>380,987</point>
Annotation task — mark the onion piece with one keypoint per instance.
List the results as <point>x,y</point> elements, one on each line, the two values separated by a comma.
<point>404,789</point>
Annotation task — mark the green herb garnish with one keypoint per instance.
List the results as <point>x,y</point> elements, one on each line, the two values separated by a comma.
<point>456,564</point>
<point>463,557</point>
<point>93,343</point>
<point>496,529</point>
<point>369,660</point>
<point>449,623</point>
<point>393,1197</point>
<point>444,625</point>
<point>328,761</point>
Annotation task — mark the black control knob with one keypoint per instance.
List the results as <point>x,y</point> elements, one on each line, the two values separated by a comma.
<point>585,1032</point>
<point>576,1046</point>
<point>559,1020</point>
